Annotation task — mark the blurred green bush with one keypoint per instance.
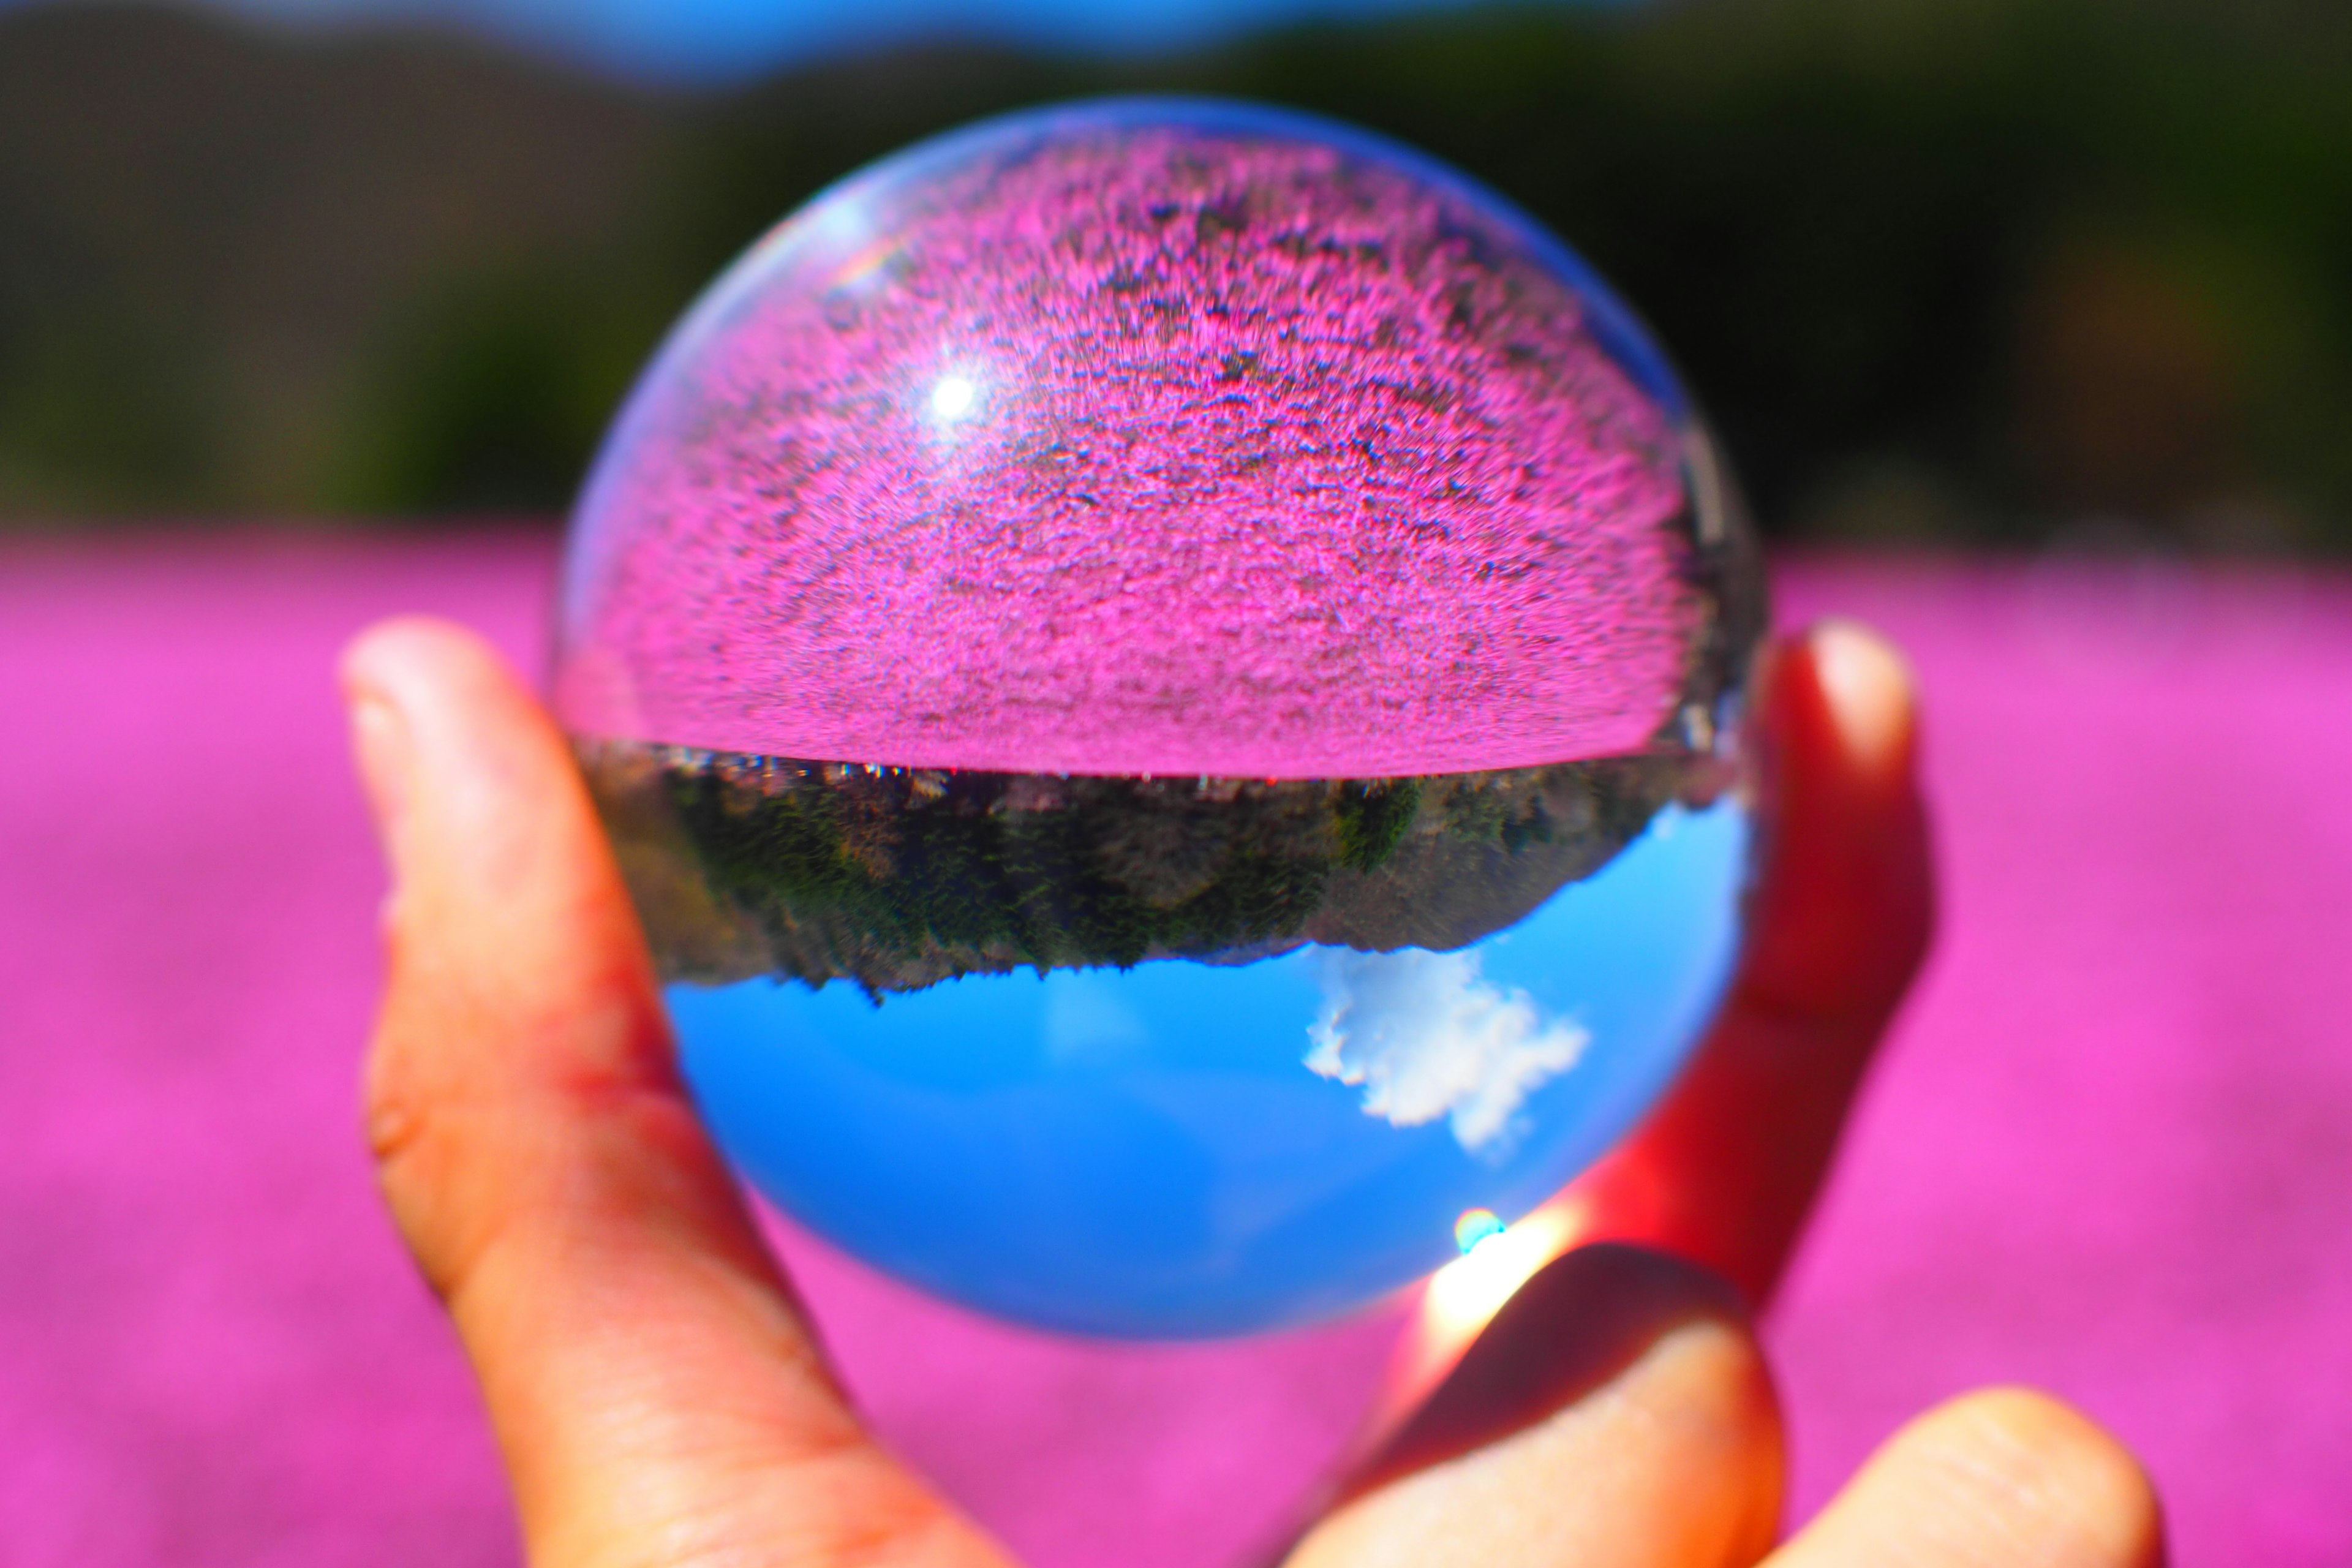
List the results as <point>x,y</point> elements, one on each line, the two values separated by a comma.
<point>1965,270</point>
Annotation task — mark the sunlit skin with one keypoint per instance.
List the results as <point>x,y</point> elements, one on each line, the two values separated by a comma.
<point>660,1401</point>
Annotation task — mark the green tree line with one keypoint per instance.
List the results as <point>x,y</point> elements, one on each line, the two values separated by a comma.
<point>1965,270</point>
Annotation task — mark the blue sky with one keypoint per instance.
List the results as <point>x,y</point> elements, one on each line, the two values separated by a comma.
<point>725,38</point>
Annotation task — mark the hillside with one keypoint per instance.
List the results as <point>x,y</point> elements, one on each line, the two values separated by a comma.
<point>1954,269</point>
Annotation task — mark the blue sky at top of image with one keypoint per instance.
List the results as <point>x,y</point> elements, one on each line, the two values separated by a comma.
<point>722,40</point>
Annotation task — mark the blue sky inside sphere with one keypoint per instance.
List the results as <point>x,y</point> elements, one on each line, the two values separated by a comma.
<point>728,40</point>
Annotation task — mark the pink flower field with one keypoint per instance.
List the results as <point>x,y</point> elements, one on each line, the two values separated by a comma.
<point>2109,1150</point>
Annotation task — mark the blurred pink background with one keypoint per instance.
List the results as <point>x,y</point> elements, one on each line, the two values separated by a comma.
<point>2108,1151</point>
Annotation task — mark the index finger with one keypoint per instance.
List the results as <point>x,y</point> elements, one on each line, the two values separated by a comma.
<point>1726,1169</point>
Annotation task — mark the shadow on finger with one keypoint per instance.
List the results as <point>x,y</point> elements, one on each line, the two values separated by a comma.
<point>1615,1414</point>
<point>1573,1328</point>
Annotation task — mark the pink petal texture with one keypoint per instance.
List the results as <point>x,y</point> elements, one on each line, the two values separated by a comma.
<point>2108,1150</point>
<point>1094,443</point>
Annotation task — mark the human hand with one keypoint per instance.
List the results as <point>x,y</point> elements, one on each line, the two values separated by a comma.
<point>1724,1171</point>
<point>661,1402</point>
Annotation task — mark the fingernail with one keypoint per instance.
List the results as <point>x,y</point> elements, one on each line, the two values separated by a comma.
<point>379,742</point>
<point>1871,691</point>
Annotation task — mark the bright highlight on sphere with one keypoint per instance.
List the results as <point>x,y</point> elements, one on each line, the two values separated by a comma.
<point>953,398</point>
<point>1179,821</point>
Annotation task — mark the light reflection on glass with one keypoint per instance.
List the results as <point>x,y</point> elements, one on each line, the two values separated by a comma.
<point>953,396</point>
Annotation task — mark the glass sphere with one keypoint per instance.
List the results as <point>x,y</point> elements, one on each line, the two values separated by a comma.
<point>1164,677</point>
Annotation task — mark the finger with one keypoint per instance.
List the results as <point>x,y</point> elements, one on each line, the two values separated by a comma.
<point>1615,1411</point>
<point>1725,1169</point>
<point>655,1393</point>
<point>2004,1478</point>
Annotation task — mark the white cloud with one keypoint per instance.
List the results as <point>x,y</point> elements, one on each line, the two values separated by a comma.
<point>1424,1037</point>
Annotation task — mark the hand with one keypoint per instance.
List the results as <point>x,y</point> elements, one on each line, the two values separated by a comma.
<point>661,1403</point>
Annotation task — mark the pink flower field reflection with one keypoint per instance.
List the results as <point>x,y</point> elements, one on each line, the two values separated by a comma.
<point>1132,440</point>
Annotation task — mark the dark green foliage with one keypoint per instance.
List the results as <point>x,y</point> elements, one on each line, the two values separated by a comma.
<point>897,878</point>
<point>1085,870</point>
<point>89,409</point>
<point>1372,818</point>
<point>486,397</point>
<point>1944,268</point>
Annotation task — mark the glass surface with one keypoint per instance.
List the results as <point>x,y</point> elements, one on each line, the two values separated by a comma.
<point>1166,679</point>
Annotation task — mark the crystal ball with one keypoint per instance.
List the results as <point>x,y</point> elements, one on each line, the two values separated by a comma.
<point>1166,679</point>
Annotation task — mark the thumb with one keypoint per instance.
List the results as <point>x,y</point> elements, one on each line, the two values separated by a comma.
<point>656,1394</point>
